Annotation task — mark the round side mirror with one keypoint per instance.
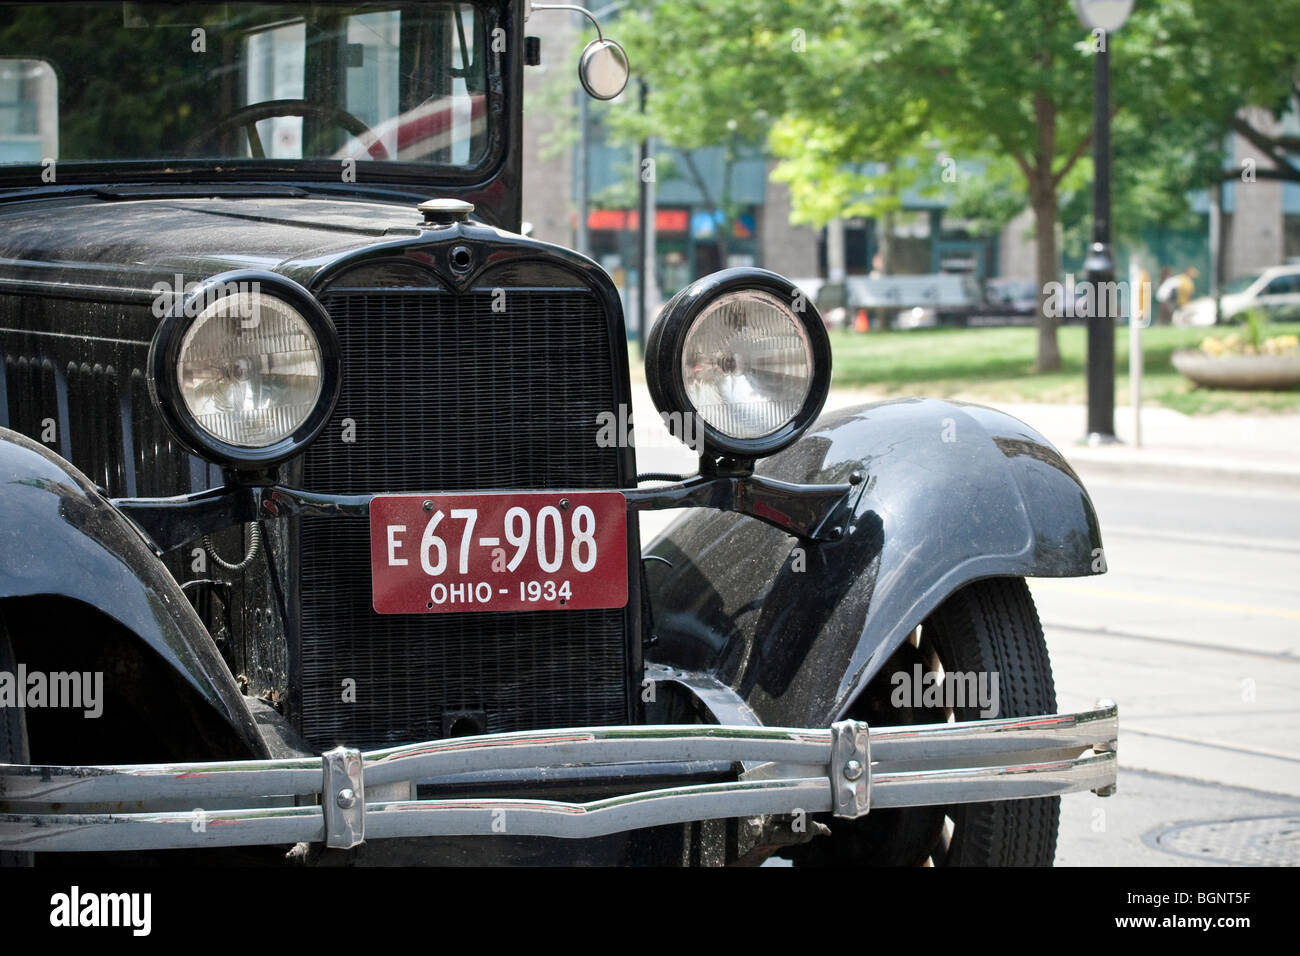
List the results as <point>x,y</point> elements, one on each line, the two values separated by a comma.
<point>603,69</point>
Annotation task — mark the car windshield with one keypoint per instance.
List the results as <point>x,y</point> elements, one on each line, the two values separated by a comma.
<point>121,83</point>
<point>1241,285</point>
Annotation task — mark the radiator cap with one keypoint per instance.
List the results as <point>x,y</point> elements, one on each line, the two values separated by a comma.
<point>444,212</point>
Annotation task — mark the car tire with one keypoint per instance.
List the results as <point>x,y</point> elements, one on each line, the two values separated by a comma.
<point>13,736</point>
<point>992,627</point>
<point>988,627</point>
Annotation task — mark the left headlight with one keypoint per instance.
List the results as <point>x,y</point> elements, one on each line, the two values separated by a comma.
<point>246,370</point>
<point>740,358</point>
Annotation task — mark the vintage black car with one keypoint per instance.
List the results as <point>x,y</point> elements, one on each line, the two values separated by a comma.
<point>314,544</point>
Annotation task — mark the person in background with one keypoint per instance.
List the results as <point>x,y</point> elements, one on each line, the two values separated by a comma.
<point>1165,293</point>
<point>1187,288</point>
<point>1175,292</point>
<point>1187,285</point>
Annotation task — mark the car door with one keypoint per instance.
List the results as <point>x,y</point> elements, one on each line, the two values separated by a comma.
<point>1281,296</point>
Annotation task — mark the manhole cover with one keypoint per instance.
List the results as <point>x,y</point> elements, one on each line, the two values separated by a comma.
<point>1261,841</point>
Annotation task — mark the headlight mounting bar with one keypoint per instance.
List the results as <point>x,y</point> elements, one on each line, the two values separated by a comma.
<point>845,770</point>
<point>809,511</point>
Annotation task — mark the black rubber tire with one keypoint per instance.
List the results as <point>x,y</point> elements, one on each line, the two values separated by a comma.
<point>13,736</point>
<point>989,626</point>
<point>992,626</point>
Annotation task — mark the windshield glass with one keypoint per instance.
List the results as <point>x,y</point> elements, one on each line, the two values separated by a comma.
<point>1242,284</point>
<point>122,82</point>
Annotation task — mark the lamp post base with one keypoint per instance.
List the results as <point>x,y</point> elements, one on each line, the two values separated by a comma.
<point>1099,439</point>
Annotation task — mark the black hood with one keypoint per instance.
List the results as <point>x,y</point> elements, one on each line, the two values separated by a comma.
<point>130,244</point>
<point>108,248</point>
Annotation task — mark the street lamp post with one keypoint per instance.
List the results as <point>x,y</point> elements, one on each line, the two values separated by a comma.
<point>1103,17</point>
<point>1099,268</point>
<point>645,241</point>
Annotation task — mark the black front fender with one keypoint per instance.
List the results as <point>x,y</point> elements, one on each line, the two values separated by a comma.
<point>950,493</point>
<point>60,537</point>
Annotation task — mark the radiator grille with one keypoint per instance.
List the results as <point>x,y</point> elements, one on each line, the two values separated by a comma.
<point>100,419</point>
<point>442,392</point>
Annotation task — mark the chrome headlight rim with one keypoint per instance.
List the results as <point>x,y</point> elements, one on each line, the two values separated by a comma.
<point>164,356</point>
<point>667,339</point>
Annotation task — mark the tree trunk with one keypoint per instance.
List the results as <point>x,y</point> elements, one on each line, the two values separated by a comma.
<point>888,222</point>
<point>1042,193</point>
<point>1049,353</point>
<point>887,243</point>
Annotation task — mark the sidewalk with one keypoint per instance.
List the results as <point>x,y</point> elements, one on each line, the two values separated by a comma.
<point>1256,450</point>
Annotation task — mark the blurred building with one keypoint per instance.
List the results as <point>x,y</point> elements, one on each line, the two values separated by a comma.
<point>1260,217</point>
<point>571,178</point>
<point>29,129</point>
<point>580,190</point>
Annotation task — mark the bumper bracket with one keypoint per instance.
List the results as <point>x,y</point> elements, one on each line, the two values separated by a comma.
<point>343,798</point>
<point>850,769</point>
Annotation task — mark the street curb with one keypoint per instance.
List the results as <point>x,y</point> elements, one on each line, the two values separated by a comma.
<point>1255,476</point>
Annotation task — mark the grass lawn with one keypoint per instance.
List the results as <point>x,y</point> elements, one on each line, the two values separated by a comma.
<point>996,364</point>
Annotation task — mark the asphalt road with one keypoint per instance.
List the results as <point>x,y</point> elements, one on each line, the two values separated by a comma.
<point>1195,631</point>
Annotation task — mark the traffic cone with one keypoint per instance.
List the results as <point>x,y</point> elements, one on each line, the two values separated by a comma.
<point>863,324</point>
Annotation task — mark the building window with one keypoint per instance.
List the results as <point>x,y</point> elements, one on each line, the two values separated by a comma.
<point>28,111</point>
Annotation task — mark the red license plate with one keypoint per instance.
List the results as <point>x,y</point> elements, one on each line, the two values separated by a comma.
<point>502,551</point>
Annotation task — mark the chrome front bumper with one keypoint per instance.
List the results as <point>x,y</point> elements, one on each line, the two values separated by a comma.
<point>846,771</point>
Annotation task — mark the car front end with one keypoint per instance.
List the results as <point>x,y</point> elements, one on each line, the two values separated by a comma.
<point>331,471</point>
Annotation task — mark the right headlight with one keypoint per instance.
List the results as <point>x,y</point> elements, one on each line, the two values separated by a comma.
<point>246,370</point>
<point>742,359</point>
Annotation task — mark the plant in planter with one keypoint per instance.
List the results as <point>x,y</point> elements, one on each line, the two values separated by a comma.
<point>1245,359</point>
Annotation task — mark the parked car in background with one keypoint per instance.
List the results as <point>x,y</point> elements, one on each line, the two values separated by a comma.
<point>1276,291</point>
<point>1007,302</point>
<point>923,301</point>
<point>897,302</point>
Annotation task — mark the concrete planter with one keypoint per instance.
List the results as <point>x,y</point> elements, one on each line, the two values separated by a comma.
<point>1239,371</point>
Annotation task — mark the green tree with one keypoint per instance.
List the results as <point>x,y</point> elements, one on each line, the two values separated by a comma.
<point>1205,61</point>
<point>836,85</point>
<point>696,58</point>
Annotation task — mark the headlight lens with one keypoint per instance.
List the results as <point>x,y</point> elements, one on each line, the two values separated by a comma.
<point>747,364</point>
<point>738,364</point>
<point>250,369</point>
